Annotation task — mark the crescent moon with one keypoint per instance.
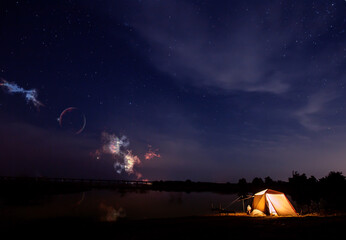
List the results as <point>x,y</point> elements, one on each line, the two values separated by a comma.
<point>69,109</point>
<point>84,123</point>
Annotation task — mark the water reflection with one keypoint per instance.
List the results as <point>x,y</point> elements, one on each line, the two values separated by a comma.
<point>110,205</point>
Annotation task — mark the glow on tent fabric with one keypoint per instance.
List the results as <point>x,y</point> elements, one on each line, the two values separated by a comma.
<point>273,202</point>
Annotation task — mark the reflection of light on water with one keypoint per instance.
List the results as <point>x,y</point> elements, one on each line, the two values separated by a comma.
<point>115,205</point>
<point>81,200</point>
<point>111,214</point>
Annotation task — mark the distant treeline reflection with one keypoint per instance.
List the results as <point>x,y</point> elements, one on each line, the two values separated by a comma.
<point>308,193</point>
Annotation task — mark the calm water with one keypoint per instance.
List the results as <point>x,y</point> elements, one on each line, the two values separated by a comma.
<point>111,205</point>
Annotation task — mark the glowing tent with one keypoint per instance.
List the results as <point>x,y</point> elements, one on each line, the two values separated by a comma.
<point>273,202</point>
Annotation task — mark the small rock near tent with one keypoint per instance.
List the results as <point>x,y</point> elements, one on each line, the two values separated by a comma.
<point>273,203</point>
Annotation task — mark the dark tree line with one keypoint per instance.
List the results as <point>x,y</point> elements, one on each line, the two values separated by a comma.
<point>325,194</point>
<point>309,194</point>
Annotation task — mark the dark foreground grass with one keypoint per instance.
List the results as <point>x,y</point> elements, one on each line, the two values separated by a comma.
<point>208,227</point>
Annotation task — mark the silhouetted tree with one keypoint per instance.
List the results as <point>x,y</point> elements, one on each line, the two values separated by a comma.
<point>257,181</point>
<point>333,191</point>
<point>268,181</point>
<point>257,184</point>
<point>313,188</point>
<point>298,189</point>
<point>297,178</point>
<point>242,184</point>
<point>188,181</point>
<point>335,178</point>
<point>312,180</point>
<point>242,181</point>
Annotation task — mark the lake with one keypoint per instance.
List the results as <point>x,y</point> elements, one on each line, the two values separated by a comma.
<point>110,205</point>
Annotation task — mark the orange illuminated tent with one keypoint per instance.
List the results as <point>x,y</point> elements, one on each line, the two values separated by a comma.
<point>273,203</point>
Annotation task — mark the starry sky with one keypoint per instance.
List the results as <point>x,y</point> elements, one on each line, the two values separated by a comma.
<point>220,89</point>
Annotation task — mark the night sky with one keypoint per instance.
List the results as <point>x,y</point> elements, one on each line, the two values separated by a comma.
<point>217,90</point>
